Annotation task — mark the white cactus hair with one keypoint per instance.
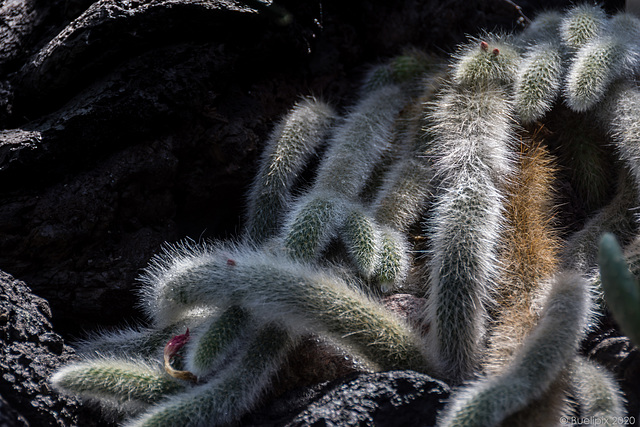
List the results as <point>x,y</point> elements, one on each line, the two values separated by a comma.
<point>539,80</point>
<point>303,297</point>
<point>236,389</point>
<point>582,23</point>
<point>292,143</point>
<point>549,349</point>
<point>472,134</point>
<point>157,276</point>
<point>119,386</point>
<point>360,141</point>
<point>487,60</point>
<point>596,391</point>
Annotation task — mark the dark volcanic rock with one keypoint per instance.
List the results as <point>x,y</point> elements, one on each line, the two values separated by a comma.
<point>616,352</point>
<point>384,399</point>
<point>29,352</point>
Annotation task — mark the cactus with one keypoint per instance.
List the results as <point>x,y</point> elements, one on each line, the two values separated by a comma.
<point>300,296</point>
<point>426,159</point>
<point>472,159</point>
<point>581,24</point>
<point>596,391</point>
<point>528,253</point>
<point>602,60</point>
<point>237,387</point>
<point>621,288</point>
<point>288,150</point>
<point>547,351</point>
<point>125,385</point>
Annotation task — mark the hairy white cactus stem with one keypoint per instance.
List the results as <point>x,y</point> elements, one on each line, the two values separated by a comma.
<point>539,80</point>
<point>546,352</point>
<point>473,135</point>
<point>303,298</point>
<point>122,386</point>
<point>611,53</point>
<point>233,391</point>
<point>359,142</point>
<point>581,24</point>
<point>287,151</point>
<point>596,392</point>
<point>622,114</point>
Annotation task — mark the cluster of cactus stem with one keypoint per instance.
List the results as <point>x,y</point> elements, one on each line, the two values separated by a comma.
<point>441,182</point>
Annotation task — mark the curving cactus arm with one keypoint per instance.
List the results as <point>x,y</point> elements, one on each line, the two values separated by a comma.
<point>127,386</point>
<point>235,390</point>
<point>621,289</point>
<point>547,351</point>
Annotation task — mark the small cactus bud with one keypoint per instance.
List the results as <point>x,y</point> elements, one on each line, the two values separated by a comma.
<point>170,350</point>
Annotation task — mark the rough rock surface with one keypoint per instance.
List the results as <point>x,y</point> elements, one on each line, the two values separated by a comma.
<point>395,398</point>
<point>29,352</point>
<point>611,349</point>
<point>128,123</point>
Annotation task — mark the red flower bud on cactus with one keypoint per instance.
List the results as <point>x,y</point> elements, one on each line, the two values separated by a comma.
<point>175,344</point>
<point>170,350</point>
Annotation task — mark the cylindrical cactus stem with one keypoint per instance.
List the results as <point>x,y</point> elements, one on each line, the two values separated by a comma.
<point>300,296</point>
<point>596,392</point>
<point>359,142</point>
<point>233,392</point>
<point>465,227</point>
<point>603,59</point>
<point>595,66</point>
<point>361,236</point>
<point>379,252</point>
<point>538,81</point>
<point>493,61</point>
<point>622,116</point>
<point>581,24</point>
<point>126,385</point>
<point>217,339</point>
<point>404,193</point>
<point>472,147</point>
<point>355,148</point>
<point>540,73</point>
<point>528,254</point>
<point>393,261</point>
<point>546,353</point>
<point>621,288</point>
<point>290,146</point>
<point>312,223</point>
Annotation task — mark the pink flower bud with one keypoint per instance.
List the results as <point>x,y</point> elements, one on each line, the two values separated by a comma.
<point>175,344</point>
